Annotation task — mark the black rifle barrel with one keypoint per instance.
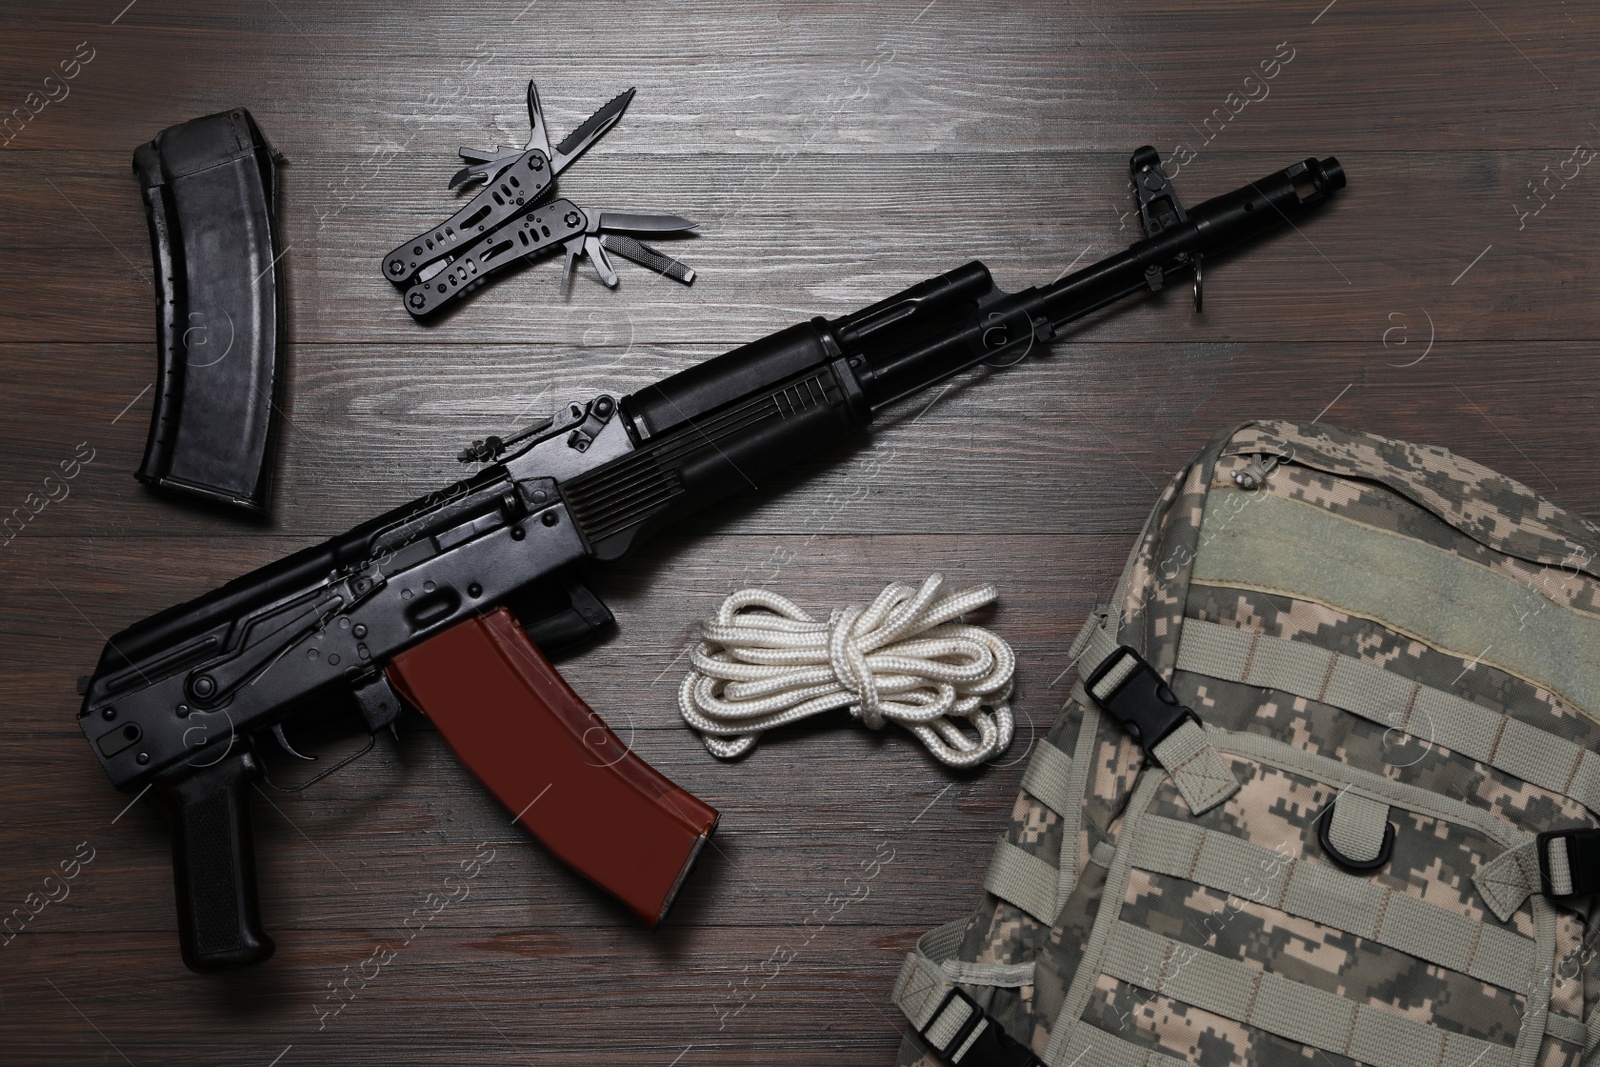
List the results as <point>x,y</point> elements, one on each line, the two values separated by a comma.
<point>1212,228</point>
<point>950,323</point>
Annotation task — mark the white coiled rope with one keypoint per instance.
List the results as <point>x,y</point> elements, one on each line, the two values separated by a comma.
<point>764,663</point>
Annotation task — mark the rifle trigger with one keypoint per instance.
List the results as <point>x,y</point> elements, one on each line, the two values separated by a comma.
<point>372,739</point>
<point>283,741</point>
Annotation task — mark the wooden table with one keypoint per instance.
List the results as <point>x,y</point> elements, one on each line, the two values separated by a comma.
<point>835,153</point>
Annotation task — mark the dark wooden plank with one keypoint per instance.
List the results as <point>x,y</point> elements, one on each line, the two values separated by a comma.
<point>517,997</point>
<point>763,76</point>
<point>375,840</point>
<point>830,232</point>
<point>1077,440</point>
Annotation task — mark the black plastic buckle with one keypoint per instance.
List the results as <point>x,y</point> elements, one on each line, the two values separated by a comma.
<point>1142,703</point>
<point>1583,860</point>
<point>991,1048</point>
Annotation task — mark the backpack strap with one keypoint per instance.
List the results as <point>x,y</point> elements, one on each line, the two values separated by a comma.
<point>947,1018</point>
<point>1049,779</point>
<point>1130,690</point>
<point>1022,879</point>
<point>1560,864</point>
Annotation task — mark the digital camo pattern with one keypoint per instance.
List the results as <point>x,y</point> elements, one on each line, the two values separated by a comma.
<point>1582,968</point>
<point>1559,1054</point>
<point>1567,584</point>
<point>1012,936</point>
<point>1348,635</point>
<point>1163,1025</point>
<point>1564,977</point>
<point>1064,955</point>
<point>1434,860</point>
<point>1414,491</point>
<point>999,932</point>
<point>1152,607</point>
<point>1183,1031</point>
<point>1413,755</point>
<point>1150,618</point>
<point>1496,510</point>
<point>1238,928</point>
<point>1037,829</point>
<point>912,1054</point>
<point>1118,762</point>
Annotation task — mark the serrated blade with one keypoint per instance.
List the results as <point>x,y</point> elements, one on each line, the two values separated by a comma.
<point>592,129</point>
<point>644,222</point>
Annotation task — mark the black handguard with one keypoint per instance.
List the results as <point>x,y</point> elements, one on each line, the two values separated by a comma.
<point>330,621</point>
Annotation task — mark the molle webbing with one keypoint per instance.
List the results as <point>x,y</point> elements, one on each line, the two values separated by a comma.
<point>1270,1002</point>
<point>1392,700</point>
<point>1276,545</point>
<point>1330,897</point>
<point>1372,875</point>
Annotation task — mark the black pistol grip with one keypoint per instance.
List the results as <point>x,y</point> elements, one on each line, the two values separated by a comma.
<point>214,865</point>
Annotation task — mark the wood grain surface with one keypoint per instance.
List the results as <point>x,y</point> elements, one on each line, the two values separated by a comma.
<point>834,153</point>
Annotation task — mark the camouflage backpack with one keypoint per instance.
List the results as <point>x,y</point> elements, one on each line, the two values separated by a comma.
<point>1325,793</point>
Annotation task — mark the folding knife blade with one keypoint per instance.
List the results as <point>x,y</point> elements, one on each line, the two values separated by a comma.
<point>483,165</point>
<point>539,138</point>
<point>602,262</point>
<point>591,131</point>
<point>644,222</point>
<point>569,269</point>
